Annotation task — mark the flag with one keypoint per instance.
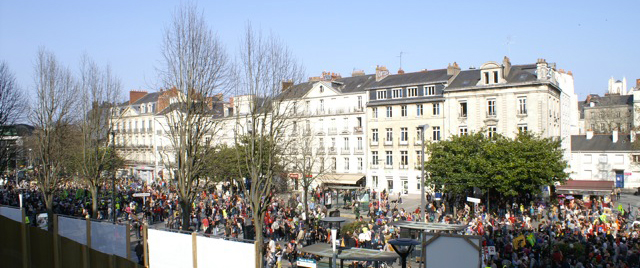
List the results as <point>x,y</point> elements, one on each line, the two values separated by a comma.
<point>519,242</point>
<point>531,240</point>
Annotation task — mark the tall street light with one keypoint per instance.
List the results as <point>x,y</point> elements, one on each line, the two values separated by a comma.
<point>113,176</point>
<point>423,201</point>
<point>403,246</point>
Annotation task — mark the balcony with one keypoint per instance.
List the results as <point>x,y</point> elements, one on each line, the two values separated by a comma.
<point>333,150</point>
<point>418,141</point>
<point>345,131</point>
<point>373,142</point>
<point>357,130</point>
<point>417,166</point>
<point>404,166</point>
<point>149,130</point>
<point>403,142</point>
<point>320,150</point>
<point>374,166</point>
<point>491,114</point>
<point>388,166</point>
<point>307,132</point>
<point>135,131</point>
<point>359,151</point>
<point>388,142</point>
<point>333,131</point>
<point>345,151</point>
<point>320,132</point>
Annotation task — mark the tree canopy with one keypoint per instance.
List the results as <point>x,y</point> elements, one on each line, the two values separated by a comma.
<point>509,166</point>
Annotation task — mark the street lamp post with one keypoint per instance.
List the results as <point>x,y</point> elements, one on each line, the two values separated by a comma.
<point>113,176</point>
<point>403,246</point>
<point>423,251</point>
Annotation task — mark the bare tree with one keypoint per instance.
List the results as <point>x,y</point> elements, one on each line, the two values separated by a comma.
<point>52,116</point>
<point>264,63</point>
<point>308,157</point>
<point>196,65</point>
<point>11,110</point>
<point>99,90</point>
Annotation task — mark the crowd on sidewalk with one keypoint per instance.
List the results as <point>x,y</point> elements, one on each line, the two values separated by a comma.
<point>525,232</point>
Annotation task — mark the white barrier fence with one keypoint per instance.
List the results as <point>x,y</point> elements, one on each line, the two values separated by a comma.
<point>467,253</point>
<point>11,213</point>
<point>171,249</point>
<point>106,237</point>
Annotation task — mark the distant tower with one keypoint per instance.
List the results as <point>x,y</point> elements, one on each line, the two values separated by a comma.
<point>617,87</point>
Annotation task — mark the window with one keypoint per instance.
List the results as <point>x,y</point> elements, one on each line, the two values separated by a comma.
<point>404,134</point>
<point>321,89</point>
<point>294,127</point>
<point>419,109</point>
<point>381,94</point>
<point>389,111</point>
<point>374,135</point>
<point>418,158</point>
<point>359,102</point>
<point>345,145</point>
<point>403,110</point>
<point>418,179</point>
<point>404,158</point>
<point>149,125</point>
<point>436,133</point>
<point>495,77</point>
<point>389,134</point>
<point>389,161</point>
<point>603,159</point>
<point>322,105</point>
<point>491,107</point>
<point>419,134</point>
<point>359,163</point>
<point>522,128</point>
<point>486,78</point>
<point>390,183</point>
<point>295,107</point>
<point>636,158</point>
<point>374,112</point>
<point>346,164</point>
<point>522,105</point>
<point>430,90</point>
<point>333,143</point>
<point>618,159</point>
<point>396,93</point>
<point>492,131</point>
<point>374,180</point>
<point>463,109</point>
<point>374,157</point>
<point>436,109</point>
<point>334,164</point>
<point>359,143</point>
<point>412,92</point>
<point>464,131</point>
<point>359,121</point>
<point>586,159</point>
<point>602,127</point>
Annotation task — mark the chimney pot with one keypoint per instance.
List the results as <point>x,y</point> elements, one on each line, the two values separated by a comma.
<point>589,134</point>
<point>637,83</point>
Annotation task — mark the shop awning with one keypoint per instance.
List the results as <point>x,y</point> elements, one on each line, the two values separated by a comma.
<point>585,187</point>
<point>348,179</point>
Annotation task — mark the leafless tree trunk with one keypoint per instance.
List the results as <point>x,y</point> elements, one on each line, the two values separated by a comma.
<point>100,90</point>
<point>52,116</point>
<point>308,159</point>
<point>264,64</point>
<point>196,65</point>
<point>11,109</point>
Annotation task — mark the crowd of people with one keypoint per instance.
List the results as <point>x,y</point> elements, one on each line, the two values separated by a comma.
<point>526,232</point>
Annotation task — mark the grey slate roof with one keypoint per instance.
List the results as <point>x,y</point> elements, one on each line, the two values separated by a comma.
<point>518,74</point>
<point>150,97</point>
<point>600,143</point>
<point>610,100</point>
<point>417,78</point>
<point>344,85</point>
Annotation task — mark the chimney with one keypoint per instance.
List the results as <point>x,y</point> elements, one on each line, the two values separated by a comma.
<point>400,71</point>
<point>637,83</point>
<point>454,69</point>
<point>614,136</point>
<point>589,134</point>
<point>506,64</point>
<point>357,73</point>
<point>381,72</point>
<point>286,84</point>
<point>541,69</point>
<point>135,95</point>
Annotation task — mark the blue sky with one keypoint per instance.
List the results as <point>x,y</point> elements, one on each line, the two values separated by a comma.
<point>593,39</point>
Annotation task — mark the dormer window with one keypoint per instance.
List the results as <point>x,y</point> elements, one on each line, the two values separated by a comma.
<point>430,90</point>
<point>495,77</point>
<point>490,77</point>
<point>321,89</point>
<point>486,78</point>
<point>381,94</point>
<point>412,92</point>
<point>396,93</point>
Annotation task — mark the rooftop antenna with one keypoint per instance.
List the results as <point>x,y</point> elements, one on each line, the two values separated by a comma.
<point>509,43</point>
<point>400,56</point>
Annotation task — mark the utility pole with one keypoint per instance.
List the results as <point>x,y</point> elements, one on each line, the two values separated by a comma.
<point>423,201</point>
<point>113,176</point>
